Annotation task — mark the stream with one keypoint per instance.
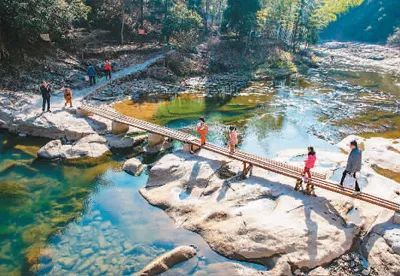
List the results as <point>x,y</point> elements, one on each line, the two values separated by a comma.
<point>92,218</point>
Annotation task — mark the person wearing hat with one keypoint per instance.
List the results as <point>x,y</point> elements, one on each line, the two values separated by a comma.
<point>353,166</point>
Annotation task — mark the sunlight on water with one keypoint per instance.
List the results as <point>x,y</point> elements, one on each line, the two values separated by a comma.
<point>91,215</point>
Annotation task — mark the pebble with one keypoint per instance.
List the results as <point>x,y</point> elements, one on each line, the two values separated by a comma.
<point>365,272</point>
<point>87,252</point>
<point>66,262</point>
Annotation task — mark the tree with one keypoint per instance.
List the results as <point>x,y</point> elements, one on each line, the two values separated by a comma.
<point>240,16</point>
<point>182,25</point>
<point>23,22</point>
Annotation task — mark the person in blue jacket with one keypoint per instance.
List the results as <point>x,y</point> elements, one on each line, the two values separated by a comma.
<point>91,72</point>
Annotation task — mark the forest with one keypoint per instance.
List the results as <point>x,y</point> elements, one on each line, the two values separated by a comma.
<point>181,23</point>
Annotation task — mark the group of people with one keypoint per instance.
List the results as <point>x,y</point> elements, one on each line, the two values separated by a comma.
<point>352,169</point>
<point>45,88</point>
<point>92,73</point>
<point>45,91</point>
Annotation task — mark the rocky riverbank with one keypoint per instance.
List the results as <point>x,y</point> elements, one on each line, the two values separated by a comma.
<point>358,56</point>
<point>262,219</point>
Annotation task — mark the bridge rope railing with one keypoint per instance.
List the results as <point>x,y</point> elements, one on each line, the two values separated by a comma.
<point>319,179</point>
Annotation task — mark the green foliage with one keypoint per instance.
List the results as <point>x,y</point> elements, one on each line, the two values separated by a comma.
<point>182,26</point>
<point>23,21</point>
<point>240,16</point>
<point>372,21</point>
<point>296,22</point>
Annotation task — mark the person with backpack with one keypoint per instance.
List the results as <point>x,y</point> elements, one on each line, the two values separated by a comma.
<point>91,72</point>
<point>107,69</point>
<point>233,139</point>
<point>45,90</point>
<point>68,97</point>
<point>353,166</point>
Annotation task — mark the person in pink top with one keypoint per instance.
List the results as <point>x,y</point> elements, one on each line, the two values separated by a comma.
<point>233,139</point>
<point>309,162</point>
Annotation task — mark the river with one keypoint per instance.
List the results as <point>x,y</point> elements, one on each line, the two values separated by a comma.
<point>92,217</point>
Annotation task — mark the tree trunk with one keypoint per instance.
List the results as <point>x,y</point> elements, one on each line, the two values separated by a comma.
<point>3,49</point>
<point>122,27</point>
<point>141,14</point>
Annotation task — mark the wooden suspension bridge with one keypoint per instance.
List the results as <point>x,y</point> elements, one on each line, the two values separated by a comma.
<point>318,179</point>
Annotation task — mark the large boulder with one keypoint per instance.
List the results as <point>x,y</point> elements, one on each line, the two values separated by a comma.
<point>91,146</point>
<point>133,166</point>
<point>168,260</point>
<point>382,248</point>
<point>124,141</point>
<point>257,219</point>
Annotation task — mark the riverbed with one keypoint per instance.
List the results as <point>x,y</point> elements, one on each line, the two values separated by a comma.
<point>91,216</point>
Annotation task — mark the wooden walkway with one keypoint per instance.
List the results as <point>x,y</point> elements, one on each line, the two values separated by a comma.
<point>319,180</point>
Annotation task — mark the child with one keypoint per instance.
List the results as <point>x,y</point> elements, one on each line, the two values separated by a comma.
<point>107,69</point>
<point>309,162</point>
<point>68,96</point>
<point>233,139</point>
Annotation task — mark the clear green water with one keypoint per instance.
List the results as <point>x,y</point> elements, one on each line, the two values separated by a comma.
<point>92,217</point>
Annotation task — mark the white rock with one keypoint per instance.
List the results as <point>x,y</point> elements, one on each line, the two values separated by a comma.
<point>155,139</point>
<point>133,166</point>
<point>92,146</point>
<point>168,260</point>
<point>319,271</point>
<point>249,219</point>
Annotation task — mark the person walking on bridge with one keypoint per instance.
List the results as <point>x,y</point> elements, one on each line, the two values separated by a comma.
<point>202,130</point>
<point>233,139</point>
<point>353,166</point>
<point>45,90</point>
<point>91,72</point>
<point>306,174</point>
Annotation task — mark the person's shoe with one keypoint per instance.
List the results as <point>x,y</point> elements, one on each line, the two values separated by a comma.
<point>49,110</point>
<point>356,193</point>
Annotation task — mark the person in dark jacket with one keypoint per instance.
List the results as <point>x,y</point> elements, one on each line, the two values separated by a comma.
<point>45,90</point>
<point>353,164</point>
<point>91,72</point>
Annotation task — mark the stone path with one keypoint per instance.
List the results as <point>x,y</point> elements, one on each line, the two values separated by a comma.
<point>58,98</point>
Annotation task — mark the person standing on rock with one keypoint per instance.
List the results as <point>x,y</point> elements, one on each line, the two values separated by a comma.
<point>353,166</point>
<point>91,72</point>
<point>233,139</point>
<point>107,69</point>
<point>45,90</point>
<point>68,97</point>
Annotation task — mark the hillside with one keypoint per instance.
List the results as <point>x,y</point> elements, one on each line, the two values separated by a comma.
<point>373,21</point>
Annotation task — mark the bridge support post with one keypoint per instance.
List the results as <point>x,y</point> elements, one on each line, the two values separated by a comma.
<point>247,169</point>
<point>119,128</point>
<point>396,217</point>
